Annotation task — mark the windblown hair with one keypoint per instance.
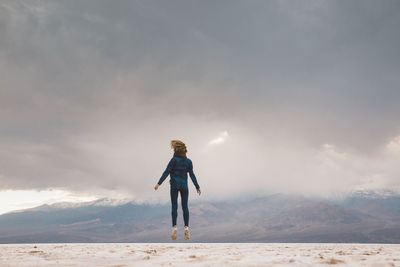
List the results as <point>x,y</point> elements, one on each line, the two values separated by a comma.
<point>179,148</point>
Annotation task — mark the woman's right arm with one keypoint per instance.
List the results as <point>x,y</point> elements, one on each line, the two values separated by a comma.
<point>193,177</point>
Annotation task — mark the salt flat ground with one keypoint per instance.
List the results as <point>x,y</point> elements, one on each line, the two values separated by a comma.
<point>199,254</point>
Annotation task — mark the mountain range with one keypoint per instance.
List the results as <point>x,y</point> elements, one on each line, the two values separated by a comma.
<point>360,217</point>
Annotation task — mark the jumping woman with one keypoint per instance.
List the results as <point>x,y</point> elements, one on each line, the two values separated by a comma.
<point>178,167</point>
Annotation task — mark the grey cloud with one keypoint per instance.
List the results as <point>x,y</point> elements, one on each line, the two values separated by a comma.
<point>92,91</point>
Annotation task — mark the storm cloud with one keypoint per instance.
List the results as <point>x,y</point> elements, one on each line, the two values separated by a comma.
<point>275,96</point>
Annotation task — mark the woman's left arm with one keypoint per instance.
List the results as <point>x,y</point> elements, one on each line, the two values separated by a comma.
<point>165,173</point>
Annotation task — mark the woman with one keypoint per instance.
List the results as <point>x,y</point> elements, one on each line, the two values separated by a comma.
<point>178,167</point>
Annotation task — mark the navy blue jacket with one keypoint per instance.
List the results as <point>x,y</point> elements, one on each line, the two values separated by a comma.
<point>178,168</point>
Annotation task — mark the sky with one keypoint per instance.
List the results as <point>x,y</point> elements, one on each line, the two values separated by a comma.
<point>269,96</point>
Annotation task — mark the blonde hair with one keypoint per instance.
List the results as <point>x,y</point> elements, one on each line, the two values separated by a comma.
<point>179,148</point>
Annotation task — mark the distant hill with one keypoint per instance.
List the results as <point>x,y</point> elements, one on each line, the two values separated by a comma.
<point>362,217</point>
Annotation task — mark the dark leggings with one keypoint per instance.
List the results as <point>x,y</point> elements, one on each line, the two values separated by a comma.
<point>174,204</point>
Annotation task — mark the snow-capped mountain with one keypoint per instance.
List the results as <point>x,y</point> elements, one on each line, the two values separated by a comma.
<point>360,217</point>
<point>374,194</point>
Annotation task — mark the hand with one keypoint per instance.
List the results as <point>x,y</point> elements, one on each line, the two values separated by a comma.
<point>199,191</point>
<point>156,187</point>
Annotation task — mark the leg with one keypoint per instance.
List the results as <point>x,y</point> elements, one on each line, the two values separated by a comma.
<point>174,205</point>
<point>185,209</point>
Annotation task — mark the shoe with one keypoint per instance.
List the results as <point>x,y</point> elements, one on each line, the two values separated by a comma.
<point>187,234</point>
<point>174,231</point>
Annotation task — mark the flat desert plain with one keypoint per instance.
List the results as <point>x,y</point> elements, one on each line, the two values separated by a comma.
<point>199,254</point>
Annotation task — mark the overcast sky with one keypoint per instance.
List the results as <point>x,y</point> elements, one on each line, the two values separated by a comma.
<point>269,96</point>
